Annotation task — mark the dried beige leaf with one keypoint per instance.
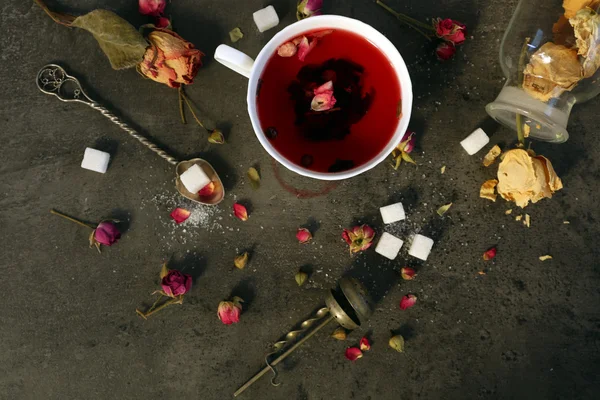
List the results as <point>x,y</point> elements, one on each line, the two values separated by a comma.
<point>586,27</point>
<point>444,209</point>
<point>235,34</point>
<point>518,217</point>
<point>508,212</point>
<point>254,178</point>
<point>546,257</point>
<point>551,71</point>
<point>443,169</point>
<point>527,221</point>
<point>241,260</point>
<point>339,334</point>
<point>491,156</point>
<point>487,190</point>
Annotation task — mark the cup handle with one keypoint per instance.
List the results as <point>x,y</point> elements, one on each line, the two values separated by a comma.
<point>234,59</point>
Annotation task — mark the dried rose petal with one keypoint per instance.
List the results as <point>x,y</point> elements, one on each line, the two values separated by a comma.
<point>364,344</point>
<point>241,260</point>
<point>443,209</point>
<point>408,301</point>
<point>491,253</point>
<point>240,211</point>
<point>301,277</point>
<point>353,353</point>
<point>546,257</point>
<point>408,274</point>
<point>207,190</point>
<point>304,47</point>
<point>487,190</point>
<point>491,156</point>
<point>339,333</point>
<point>397,343</point>
<point>162,22</point>
<point>303,235</point>
<point>180,214</point>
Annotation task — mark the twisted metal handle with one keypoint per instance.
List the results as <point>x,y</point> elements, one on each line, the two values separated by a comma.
<point>54,80</point>
<point>304,326</point>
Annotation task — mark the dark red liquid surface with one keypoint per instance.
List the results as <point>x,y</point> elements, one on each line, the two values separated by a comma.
<point>366,138</point>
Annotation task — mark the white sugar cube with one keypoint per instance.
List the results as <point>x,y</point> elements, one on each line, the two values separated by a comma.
<point>266,18</point>
<point>475,141</point>
<point>421,247</point>
<point>389,246</point>
<point>95,160</point>
<point>194,179</point>
<point>392,213</point>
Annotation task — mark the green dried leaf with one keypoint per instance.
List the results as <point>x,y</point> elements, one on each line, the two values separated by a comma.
<point>443,209</point>
<point>407,158</point>
<point>121,42</point>
<point>254,178</point>
<point>216,136</point>
<point>235,34</point>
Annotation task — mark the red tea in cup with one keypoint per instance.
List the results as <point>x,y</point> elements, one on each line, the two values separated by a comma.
<point>350,132</point>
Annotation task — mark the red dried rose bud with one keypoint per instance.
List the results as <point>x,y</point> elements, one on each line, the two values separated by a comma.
<point>240,211</point>
<point>308,8</point>
<point>303,235</point>
<point>106,233</point>
<point>451,31</point>
<point>445,51</point>
<point>152,7</point>
<point>162,22</point>
<point>323,99</point>
<point>407,144</point>
<point>408,301</point>
<point>491,253</point>
<point>364,344</point>
<point>229,311</point>
<point>353,353</point>
<point>408,274</point>
<point>176,283</point>
<point>180,215</point>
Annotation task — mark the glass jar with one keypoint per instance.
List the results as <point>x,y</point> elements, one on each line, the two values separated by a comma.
<point>550,56</point>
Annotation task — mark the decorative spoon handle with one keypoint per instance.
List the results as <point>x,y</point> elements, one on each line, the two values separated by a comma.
<point>53,79</point>
<point>304,326</point>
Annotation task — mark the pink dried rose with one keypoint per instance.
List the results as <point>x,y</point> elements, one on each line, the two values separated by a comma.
<point>170,59</point>
<point>353,353</point>
<point>240,212</point>
<point>154,8</point>
<point>106,233</point>
<point>180,214</point>
<point>303,235</point>
<point>408,274</point>
<point>445,51</point>
<point>323,99</point>
<point>408,301</point>
<point>308,8</point>
<point>359,238</point>
<point>162,22</point>
<point>229,311</point>
<point>491,253</point>
<point>175,283</point>
<point>450,30</point>
<point>364,344</point>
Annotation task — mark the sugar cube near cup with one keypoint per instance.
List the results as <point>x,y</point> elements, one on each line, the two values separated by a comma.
<point>392,213</point>
<point>421,247</point>
<point>475,141</point>
<point>194,179</point>
<point>266,18</point>
<point>95,160</point>
<point>389,246</point>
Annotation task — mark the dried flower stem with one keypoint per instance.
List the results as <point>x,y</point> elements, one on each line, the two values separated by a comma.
<point>181,110</point>
<point>154,309</point>
<point>187,102</point>
<point>413,23</point>
<point>53,211</point>
<point>60,18</point>
<point>519,122</point>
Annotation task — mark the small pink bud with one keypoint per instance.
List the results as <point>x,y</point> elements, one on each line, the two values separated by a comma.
<point>240,212</point>
<point>364,344</point>
<point>303,235</point>
<point>229,311</point>
<point>408,301</point>
<point>353,353</point>
<point>451,31</point>
<point>491,253</point>
<point>408,274</point>
<point>152,7</point>
<point>308,8</point>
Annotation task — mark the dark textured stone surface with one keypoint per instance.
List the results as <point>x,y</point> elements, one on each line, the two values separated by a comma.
<point>68,326</point>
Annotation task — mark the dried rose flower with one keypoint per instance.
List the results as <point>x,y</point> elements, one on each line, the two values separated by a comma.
<point>308,8</point>
<point>353,353</point>
<point>408,274</point>
<point>408,301</point>
<point>207,190</point>
<point>445,51</point>
<point>359,238</point>
<point>450,30</point>
<point>303,235</point>
<point>491,253</point>
<point>180,215</point>
<point>240,212</point>
<point>523,178</point>
<point>106,233</point>
<point>176,283</point>
<point>364,344</point>
<point>339,333</point>
<point>323,99</point>
<point>229,311</point>
<point>586,26</point>
<point>241,260</point>
<point>154,8</point>
<point>170,59</point>
<point>397,343</point>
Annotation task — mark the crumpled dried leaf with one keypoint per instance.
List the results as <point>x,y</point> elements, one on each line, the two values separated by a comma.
<point>572,6</point>
<point>546,257</point>
<point>443,209</point>
<point>586,24</point>
<point>487,190</point>
<point>254,178</point>
<point>491,156</point>
<point>121,42</point>
<point>235,34</point>
<point>339,333</point>
<point>241,260</point>
<point>518,218</point>
<point>562,32</point>
<point>551,71</point>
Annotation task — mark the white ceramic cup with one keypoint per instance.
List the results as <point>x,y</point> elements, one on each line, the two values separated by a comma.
<point>253,69</point>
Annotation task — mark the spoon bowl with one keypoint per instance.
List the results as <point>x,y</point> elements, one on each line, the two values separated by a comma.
<point>212,200</point>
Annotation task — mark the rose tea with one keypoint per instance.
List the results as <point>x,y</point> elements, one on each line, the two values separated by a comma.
<point>329,100</point>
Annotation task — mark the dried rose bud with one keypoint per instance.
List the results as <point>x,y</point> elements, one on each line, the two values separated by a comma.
<point>323,99</point>
<point>176,283</point>
<point>359,238</point>
<point>488,255</point>
<point>407,144</point>
<point>308,8</point>
<point>397,343</point>
<point>303,235</point>
<point>207,190</point>
<point>162,22</point>
<point>445,51</point>
<point>241,260</point>
<point>229,311</point>
<point>216,137</point>
<point>106,233</point>
<point>301,277</point>
<point>180,215</point>
<point>339,334</point>
<point>305,47</point>
<point>451,31</point>
<point>154,8</point>
<point>408,274</point>
<point>240,211</point>
<point>353,353</point>
<point>364,344</point>
<point>287,49</point>
<point>408,301</point>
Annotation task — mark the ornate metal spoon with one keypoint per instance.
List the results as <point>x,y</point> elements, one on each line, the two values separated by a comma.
<point>349,306</point>
<point>53,79</point>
